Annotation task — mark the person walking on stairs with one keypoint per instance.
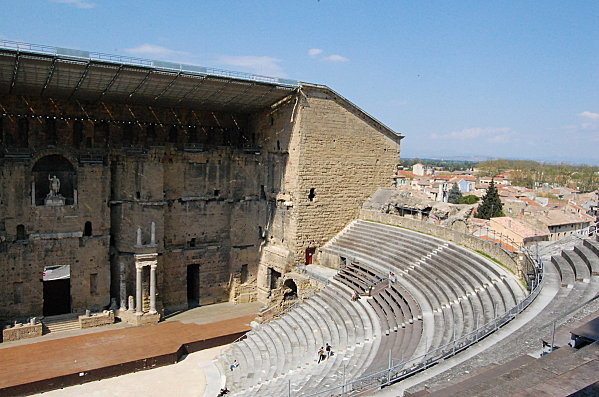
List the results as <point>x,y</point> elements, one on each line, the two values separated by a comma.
<point>321,355</point>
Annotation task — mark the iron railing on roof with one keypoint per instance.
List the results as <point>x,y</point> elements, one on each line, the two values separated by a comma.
<point>69,53</point>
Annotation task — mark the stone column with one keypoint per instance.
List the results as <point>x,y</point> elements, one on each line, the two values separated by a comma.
<point>138,300</point>
<point>153,236</point>
<point>33,194</point>
<point>123,286</point>
<point>139,237</point>
<point>153,287</point>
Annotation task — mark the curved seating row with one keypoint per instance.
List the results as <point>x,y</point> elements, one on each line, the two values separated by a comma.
<point>461,289</point>
<point>578,270</point>
<point>573,278</point>
<point>283,352</point>
<point>399,313</point>
<point>441,292</point>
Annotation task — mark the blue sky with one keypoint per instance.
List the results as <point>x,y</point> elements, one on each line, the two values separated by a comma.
<point>509,79</point>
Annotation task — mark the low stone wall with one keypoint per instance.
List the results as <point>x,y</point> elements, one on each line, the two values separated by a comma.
<point>97,319</point>
<point>457,237</point>
<point>328,259</point>
<point>21,331</point>
<point>132,318</point>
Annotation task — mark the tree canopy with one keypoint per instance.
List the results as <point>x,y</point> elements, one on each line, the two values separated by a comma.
<point>469,199</point>
<point>491,205</point>
<point>454,195</point>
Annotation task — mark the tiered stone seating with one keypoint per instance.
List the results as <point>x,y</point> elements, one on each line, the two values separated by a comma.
<point>589,257</point>
<point>442,292</point>
<point>460,288</point>
<point>572,282</point>
<point>562,372</point>
<point>579,270</point>
<point>285,349</point>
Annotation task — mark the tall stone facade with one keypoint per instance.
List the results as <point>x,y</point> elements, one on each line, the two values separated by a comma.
<point>230,199</point>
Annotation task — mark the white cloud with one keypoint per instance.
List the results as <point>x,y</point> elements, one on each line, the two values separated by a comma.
<point>314,52</point>
<point>590,115</point>
<point>336,58</point>
<point>77,3</point>
<point>154,51</point>
<point>590,124</point>
<point>264,65</point>
<point>494,135</point>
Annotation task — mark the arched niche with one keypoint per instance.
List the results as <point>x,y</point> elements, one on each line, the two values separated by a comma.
<point>54,176</point>
<point>289,289</point>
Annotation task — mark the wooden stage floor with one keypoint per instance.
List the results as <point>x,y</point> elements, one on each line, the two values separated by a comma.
<point>53,364</point>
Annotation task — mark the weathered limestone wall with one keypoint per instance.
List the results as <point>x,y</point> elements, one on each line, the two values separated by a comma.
<point>96,319</point>
<point>21,331</point>
<point>344,158</point>
<point>445,233</point>
<point>200,176</point>
<point>276,131</point>
<point>52,236</point>
<point>228,192</point>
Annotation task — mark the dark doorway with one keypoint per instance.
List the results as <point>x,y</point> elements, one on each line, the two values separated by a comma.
<point>274,278</point>
<point>87,229</point>
<point>21,235</point>
<point>244,273</point>
<point>290,289</point>
<point>193,285</point>
<point>57,297</point>
<point>309,254</point>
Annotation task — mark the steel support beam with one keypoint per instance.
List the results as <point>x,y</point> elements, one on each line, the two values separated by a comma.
<point>111,82</point>
<point>250,86</point>
<point>83,75</point>
<point>259,98</point>
<point>141,83</point>
<point>195,87</point>
<point>50,74</point>
<point>167,87</point>
<point>14,73</point>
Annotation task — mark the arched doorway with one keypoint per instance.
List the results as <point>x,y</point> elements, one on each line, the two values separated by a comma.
<point>289,289</point>
<point>87,229</point>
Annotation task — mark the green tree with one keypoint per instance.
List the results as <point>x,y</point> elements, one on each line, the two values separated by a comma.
<point>454,195</point>
<point>469,199</point>
<point>491,205</point>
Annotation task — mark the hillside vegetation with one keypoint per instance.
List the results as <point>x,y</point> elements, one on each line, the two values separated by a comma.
<point>531,173</point>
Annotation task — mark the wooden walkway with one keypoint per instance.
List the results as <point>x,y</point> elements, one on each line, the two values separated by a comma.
<point>53,364</point>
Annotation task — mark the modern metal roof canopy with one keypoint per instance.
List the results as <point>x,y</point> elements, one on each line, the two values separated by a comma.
<point>29,69</point>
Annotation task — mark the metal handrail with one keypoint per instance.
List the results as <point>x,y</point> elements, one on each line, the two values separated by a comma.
<point>407,368</point>
<point>69,53</point>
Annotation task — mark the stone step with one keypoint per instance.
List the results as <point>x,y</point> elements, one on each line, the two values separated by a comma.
<point>61,323</point>
<point>364,250</point>
<point>565,271</point>
<point>61,326</point>
<point>590,258</point>
<point>501,304</point>
<point>581,270</point>
<point>386,232</point>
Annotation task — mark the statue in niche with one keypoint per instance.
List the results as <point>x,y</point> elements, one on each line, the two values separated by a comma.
<point>54,198</point>
<point>54,186</point>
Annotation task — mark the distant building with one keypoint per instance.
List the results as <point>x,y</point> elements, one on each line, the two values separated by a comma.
<point>421,169</point>
<point>518,231</point>
<point>558,222</point>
